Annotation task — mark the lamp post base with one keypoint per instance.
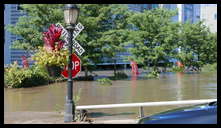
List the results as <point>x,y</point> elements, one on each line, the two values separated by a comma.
<point>68,115</point>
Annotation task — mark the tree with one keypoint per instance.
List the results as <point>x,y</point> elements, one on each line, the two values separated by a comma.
<point>208,53</point>
<point>101,36</point>
<point>37,19</point>
<point>114,37</point>
<point>153,37</point>
<point>96,19</point>
<point>198,45</point>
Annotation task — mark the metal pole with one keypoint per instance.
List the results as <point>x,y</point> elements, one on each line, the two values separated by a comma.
<point>141,112</point>
<point>69,106</point>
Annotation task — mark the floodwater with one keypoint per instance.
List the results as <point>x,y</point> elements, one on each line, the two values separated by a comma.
<point>170,87</point>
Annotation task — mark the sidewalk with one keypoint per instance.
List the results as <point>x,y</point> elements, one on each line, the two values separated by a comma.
<point>56,118</point>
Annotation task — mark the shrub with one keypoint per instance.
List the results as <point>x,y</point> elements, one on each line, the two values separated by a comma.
<point>177,69</point>
<point>104,81</point>
<point>209,68</point>
<point>119,75</point>
<point>16,77</point>
<point>59,108</point>
<point>54,60</point>
<point>153,74</point>
<point>51,58</point>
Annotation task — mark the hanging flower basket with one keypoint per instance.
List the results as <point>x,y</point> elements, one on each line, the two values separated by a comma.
<point>52,55</point>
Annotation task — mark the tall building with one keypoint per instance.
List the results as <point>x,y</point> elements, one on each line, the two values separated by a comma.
<point>186,12</point>
<point>209,16</point>
<point>141,7</point>
<point>12,12</point>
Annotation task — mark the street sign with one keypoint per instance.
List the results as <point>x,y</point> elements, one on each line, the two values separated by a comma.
<point>64,32</point>
<point>76,67</point>
<point>78,28</point>
<point>78,47</point>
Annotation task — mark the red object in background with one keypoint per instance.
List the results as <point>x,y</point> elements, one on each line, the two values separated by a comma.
<point>25,62</point>
<point>134,67</point>
<point>51,36</point>
<point>76,63</point>
<point>179,64</point>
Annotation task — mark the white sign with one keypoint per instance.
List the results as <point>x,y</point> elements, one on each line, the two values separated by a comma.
<point>78,28</point>
<point>78,47</point>
<point>64,31</point>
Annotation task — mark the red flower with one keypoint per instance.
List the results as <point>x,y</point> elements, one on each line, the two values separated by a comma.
<point>51,36</point>
<point>55,32</point>
<point>60,44</point>
<point>24,62</point>
<point>49,44</point>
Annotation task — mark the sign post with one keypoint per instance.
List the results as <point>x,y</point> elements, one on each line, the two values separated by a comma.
<point>74,62</point>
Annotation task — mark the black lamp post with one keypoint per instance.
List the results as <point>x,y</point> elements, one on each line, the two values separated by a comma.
<point>71,13</point>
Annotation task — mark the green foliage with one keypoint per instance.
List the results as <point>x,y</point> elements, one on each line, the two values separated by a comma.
<point>77,96</point>
<point>99,20</point>
<point>209,68</point>
<point>54,58</point>
<point>113,38</point>
<point>177,69</point>
<point>104,81</point>
<point>30,26</point>
<point>150,36</point>
<point>198,45</point>
<point>16,77</point>
<point>103,33</point>
<point>153,74</point>
<point>208,51</point>
<point>59,108</point>
<point>153,37</point>
<point>119,75</point>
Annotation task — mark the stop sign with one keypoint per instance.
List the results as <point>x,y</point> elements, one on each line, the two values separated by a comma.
<point>76,67</point>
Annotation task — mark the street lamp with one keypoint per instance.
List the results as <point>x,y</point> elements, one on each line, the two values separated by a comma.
<point>71,13</point>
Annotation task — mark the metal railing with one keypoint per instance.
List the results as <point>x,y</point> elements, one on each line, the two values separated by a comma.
<point>145,104</point>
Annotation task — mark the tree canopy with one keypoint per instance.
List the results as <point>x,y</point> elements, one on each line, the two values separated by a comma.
<point>151,37</point>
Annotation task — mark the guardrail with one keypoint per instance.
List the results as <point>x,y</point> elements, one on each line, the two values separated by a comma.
<point>145,104</point>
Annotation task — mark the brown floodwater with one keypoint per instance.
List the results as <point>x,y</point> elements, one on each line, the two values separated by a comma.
<point>170,87</point>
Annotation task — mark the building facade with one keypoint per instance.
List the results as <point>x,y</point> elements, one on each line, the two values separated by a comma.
<point>141,7</point>
<point>12,12</point>
<point>186,12</point>
<point>209,16</point>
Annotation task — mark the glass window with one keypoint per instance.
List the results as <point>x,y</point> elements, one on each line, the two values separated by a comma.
<point>188,12</point>
<point>19,7</point>
<point>154,6</point>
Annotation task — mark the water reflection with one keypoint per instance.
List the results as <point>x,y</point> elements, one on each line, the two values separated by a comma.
<point>179,85</point>
<point>168,88</point>
<point>133,85</point>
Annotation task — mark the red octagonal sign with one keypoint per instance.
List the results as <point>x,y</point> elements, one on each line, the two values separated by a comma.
<point>76,66</point>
